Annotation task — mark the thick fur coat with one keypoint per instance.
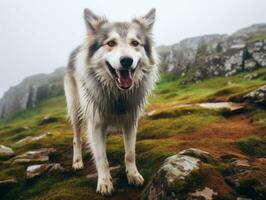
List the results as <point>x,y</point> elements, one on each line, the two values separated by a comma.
<point>108,80</point>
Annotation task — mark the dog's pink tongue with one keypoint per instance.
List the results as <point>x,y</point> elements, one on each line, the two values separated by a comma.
<point>125,79</point>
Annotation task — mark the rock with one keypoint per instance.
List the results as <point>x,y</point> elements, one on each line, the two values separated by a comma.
<point>55,168</point>
<point>229,108</point>
<point>40,169</point>
<point>172,175</point>
<point>240,165</point>
<point>8,183</point>
<point>260,58</point>
<point>250,64</point>
<point>257,96</point>
<point>234,60</point>
<point>217,55</point>
<point>204,156</point>
<point>36,170</point>
<point>33,139</point>
<point>47,120</point>
<point>6,152</point>
<point>206,194</point>
<point>37,156</point>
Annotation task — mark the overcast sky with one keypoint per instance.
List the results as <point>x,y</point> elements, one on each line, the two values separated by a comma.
<point>37,36</point>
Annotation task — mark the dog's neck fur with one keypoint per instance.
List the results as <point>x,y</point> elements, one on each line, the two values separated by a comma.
<point>117,102</point>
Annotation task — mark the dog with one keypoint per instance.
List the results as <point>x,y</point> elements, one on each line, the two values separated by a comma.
<point>107,82</point>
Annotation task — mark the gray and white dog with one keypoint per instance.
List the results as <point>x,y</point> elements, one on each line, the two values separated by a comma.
<point>108,80</point>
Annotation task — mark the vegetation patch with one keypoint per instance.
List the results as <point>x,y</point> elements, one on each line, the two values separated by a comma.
<point>253,146</point>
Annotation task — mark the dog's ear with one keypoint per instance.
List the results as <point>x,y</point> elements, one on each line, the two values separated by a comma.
<point>93,21</point>
<point>147,20</point>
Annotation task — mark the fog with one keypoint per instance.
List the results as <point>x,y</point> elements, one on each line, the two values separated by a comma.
<point>37,36</point>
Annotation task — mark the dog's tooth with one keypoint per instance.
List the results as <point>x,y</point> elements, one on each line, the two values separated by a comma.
<point>118,73</point>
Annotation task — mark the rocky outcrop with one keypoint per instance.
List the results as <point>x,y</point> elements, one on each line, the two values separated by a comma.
<point>31,91</point>
<point>218,55</point>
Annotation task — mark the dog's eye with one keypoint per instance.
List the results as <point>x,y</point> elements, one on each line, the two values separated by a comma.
<point>111,43</point>
<point>135,43</point>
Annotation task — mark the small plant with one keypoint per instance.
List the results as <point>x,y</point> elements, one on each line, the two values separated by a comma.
<point>252,145</point>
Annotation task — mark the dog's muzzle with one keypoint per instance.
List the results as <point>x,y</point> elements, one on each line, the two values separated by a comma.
<point>123,77</point>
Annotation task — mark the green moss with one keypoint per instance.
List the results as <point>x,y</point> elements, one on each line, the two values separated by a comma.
<point>249,187</point>
<point>252,145</point>
<point>259,117</point>
<point>206,90</point>
<point>155,140</point>
<point>171,122</point>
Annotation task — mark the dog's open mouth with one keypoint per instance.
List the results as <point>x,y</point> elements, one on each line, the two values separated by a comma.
<point>124,78</point>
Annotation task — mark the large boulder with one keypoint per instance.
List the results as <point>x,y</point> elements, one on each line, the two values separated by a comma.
<point>180,176</point>
<point>6,152</point>
<point>172,177</point>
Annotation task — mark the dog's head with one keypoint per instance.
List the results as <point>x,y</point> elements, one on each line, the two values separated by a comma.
<point>120,52</point>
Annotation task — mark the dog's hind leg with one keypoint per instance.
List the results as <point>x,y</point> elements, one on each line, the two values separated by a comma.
<point>133,175</point>
<point>73,106</point>
<point>97,139</point>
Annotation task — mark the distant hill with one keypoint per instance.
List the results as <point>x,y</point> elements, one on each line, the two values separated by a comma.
<point>194,58</point>
<point>31,91</point>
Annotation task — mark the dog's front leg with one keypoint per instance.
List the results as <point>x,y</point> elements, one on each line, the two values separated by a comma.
<point>97,137</point>
<point>133,175</point>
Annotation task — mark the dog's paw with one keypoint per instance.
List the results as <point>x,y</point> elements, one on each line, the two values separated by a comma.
<point>105,186</point>
<point>77,165</point>
<point>135,178</point>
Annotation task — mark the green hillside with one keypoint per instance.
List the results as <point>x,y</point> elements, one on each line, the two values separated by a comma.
<point>173,122</point>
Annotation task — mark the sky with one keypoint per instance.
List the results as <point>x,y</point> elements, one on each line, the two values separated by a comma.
<point>37,36</point>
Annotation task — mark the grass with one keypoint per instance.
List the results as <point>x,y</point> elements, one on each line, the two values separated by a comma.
<point>156,138</point>
<point>171,89</point>
<point>256,38</point>
<point>253,146</point>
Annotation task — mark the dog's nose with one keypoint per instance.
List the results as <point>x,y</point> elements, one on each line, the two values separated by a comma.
<point>126,62</point>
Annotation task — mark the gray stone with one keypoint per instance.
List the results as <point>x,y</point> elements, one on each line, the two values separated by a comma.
<point>257,96</point>
<point>173,174</point>
<point>204,156</point>
<point>37,156</point>
<point>8,183</point>
<point>260,58</point>
<point>250,64</point>
<point>36,170</point>
<point>6,152</point>
<point>33,171</point>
